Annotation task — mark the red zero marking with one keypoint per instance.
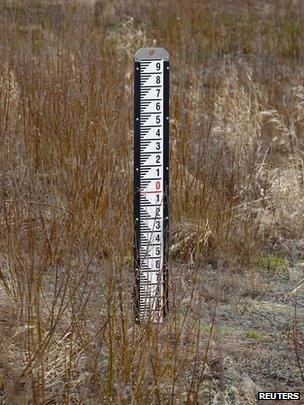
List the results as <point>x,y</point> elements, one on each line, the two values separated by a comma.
<point>157,185</point>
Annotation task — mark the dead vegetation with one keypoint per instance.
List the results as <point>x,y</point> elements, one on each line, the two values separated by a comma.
<point>237,119</point>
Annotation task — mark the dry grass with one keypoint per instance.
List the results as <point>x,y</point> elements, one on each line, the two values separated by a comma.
<point>237,119</point>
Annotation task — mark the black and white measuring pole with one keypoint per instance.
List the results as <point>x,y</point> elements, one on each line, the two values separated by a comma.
<point>151,182</point>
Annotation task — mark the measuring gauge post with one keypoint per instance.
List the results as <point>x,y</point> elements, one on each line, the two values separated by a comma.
<point>151,183</point>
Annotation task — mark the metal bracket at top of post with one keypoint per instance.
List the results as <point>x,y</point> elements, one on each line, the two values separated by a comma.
<point>151,53</point>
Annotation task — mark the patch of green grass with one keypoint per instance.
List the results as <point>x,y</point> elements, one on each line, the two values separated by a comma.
<point>273,261</point>
<point>253,334</point>
<point>206,328</point>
